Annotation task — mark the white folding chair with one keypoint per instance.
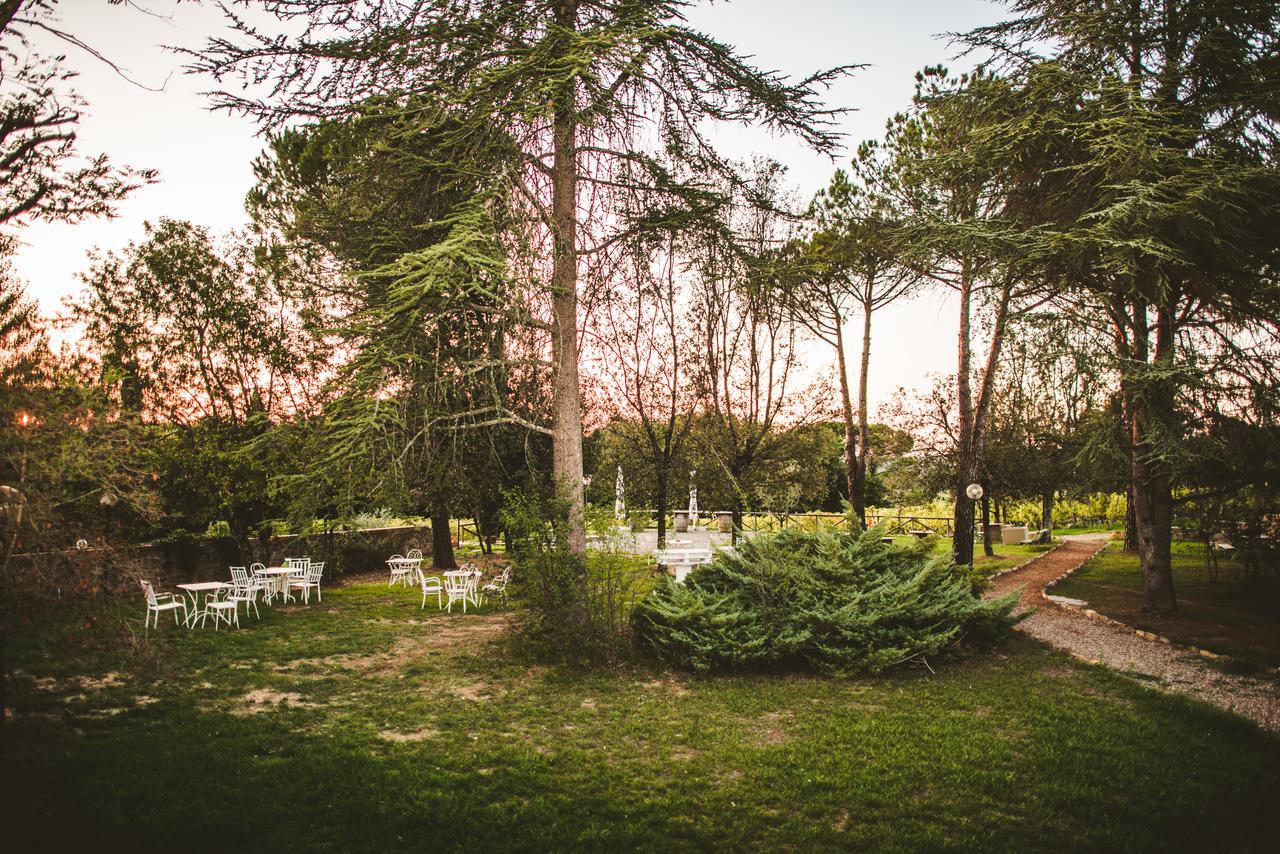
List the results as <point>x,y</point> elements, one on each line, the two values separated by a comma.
<point>265,584</point>
<point>157,602</point>
<point>221,606</point>
<point>399,569</point>
<point>430,586</point>
<point>309,582</point>
<point>497,587</point>
<point>244,589</point>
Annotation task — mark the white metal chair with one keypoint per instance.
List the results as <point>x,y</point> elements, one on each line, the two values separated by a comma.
<point>460,587</point>
<point>430,585</point>
<point>298,565</point>
<point>244,589</point>
<point>309,582</point>
<point>414,554</point>
<point>497,587</point>
<point>157,602</point>
<point>400,570</point>
<point>266,584</point>
<point>221,606</point>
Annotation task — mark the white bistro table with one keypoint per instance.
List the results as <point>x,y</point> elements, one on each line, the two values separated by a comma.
<point>193,591</point>
<point>471,591</point>
<point>279,578</point>
<point>402,569</point>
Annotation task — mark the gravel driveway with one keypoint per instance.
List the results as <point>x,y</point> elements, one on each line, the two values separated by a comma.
<point>1169,667</point>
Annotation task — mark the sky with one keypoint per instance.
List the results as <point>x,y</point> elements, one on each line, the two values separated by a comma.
<point>205,159</point>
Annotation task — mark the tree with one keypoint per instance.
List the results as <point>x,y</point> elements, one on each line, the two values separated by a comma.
<point>1161,117</point>
<point>349,200</point>
<point>747,340</point>
<point>205,343</point>
<point>190,329</point>
<point>579,91</point>
<point>43,176</point>
<point>1053,387</point>
<point>854,263</point>
<point>645,349</point>
<point>965,210</point>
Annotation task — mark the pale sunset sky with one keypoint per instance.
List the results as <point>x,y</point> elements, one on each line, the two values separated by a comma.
<point>204,158</point>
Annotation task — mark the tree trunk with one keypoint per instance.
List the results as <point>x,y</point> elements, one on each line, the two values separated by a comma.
<point>441,541</point>
<point>864,428</point>
<point>1046,515</point>
<point>1130,520</point>
<point>966,465</point>
<point>661,501</point>
<point>1152,485</point>
<point>850,441</point>
<point>566,427</point>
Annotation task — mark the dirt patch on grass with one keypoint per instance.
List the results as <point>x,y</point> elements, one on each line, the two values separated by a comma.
<point>343,661</point>
<point>81,684</point>
<point>442,637</point>
<point>670,685</point>
<point>265,699</point>
<point>475,692</point>
<point>771,728</point>
<point>408,737</point>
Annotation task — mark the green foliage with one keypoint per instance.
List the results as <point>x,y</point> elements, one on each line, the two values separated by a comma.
<point>838,602</point>
<point>576,607</point>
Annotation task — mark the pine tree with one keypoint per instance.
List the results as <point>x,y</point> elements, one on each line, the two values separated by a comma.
<point>584,93</point>
<point>1161,118</point>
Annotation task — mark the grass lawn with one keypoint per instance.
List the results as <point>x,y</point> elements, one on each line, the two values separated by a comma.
<point>366,724</point>
<point>1085,529</point>
<point>1005,557</point>
<point>1227,616</point>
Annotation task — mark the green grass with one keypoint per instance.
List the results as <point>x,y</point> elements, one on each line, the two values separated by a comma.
<point>1227,616</point>
<point>1085,529</point>
<point>1005,557</point>
<point>405,730</point>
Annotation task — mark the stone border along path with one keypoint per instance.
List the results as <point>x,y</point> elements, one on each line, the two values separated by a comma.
<point>1102,641</point>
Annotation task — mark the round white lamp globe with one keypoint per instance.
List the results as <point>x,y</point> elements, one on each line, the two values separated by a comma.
<point>974,491</point>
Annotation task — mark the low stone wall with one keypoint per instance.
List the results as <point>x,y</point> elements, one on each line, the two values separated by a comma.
<point>110,571</point>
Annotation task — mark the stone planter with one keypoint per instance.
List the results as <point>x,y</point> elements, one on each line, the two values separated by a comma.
<point>682,521</point>
<point>725,518</point>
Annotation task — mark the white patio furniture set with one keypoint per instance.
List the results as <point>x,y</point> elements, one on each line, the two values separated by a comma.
<point>463,585</point>
<point>222,600</point>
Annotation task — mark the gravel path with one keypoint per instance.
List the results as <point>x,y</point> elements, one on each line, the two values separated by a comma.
<point>1172,668</point>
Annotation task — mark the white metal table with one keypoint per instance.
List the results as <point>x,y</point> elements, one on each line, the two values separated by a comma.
<point>279,578</point>
<point>193,591</point>
<point>402,569</point>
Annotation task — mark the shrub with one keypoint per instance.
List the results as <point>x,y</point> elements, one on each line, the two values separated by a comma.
<point>573,608</point>
<point>837,601</point>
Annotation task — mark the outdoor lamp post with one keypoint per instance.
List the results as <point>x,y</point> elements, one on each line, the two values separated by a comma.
<point>974,493</point>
